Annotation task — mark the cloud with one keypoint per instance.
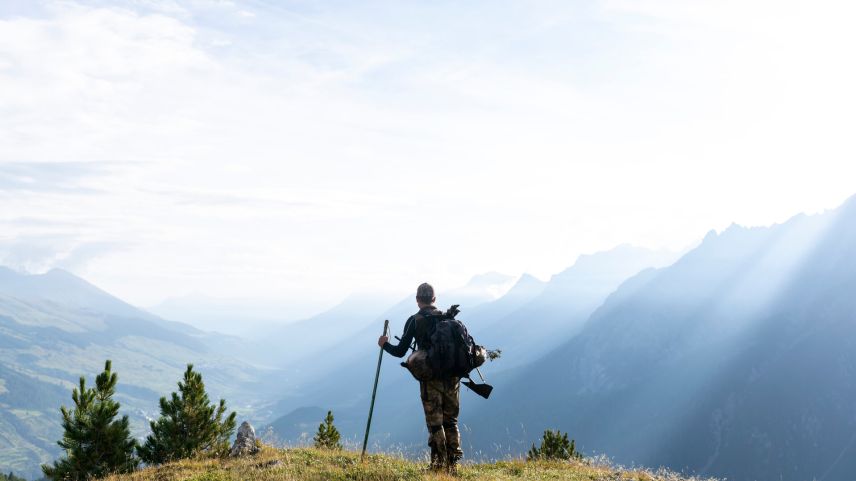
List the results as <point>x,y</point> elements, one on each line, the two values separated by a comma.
<point>62,177</point>
<point>37,222</point>
<point>308,147</point>
<point>32,254</point>
<point>79,257</point>
<point>227,198</point>
<point>40,253</point>
<point>83,82</point>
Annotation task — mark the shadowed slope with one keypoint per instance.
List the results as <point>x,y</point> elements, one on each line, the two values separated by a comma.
<point>744,346</point>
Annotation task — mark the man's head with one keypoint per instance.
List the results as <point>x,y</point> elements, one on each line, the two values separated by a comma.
<point>425,295</point>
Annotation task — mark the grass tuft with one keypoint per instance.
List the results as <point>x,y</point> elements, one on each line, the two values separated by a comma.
<point>308,464</point>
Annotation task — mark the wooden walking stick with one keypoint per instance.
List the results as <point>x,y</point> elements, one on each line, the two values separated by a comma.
<point>374,392</point>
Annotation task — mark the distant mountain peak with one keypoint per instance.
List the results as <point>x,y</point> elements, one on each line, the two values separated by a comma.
<point>8,271</point>
<point>526,285</point>
<point>58,273</point>
<point>527,278</point>
<point>617,259</point>
<point>481,288</point>
<point>711,234</point>
<point>848,204</point>
<point>65,288</point>
<point>55,273</point>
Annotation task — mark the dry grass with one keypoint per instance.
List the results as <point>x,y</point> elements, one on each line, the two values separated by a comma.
<point>321,465</point>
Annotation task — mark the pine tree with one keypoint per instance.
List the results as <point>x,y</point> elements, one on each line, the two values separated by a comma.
<point>95,442</point>
<point>554,445</point>
<point>327,436</point>
<point>189,424</point>
<point>11,477</point>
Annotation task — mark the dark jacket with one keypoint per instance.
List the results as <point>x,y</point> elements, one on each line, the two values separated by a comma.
<point>411,332</point>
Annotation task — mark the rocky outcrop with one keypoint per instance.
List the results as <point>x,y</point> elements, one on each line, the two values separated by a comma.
<point>245,443</point>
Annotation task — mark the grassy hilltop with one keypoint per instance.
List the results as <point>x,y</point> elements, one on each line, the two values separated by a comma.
<point>305,464</point>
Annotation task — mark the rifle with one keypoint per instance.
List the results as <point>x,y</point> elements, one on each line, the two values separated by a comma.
<point>482,390</point>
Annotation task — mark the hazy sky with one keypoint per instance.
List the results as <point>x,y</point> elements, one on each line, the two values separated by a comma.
<point>305,150</point>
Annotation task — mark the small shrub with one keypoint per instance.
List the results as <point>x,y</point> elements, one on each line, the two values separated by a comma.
<point>554,445</point>
<point>327,436</point>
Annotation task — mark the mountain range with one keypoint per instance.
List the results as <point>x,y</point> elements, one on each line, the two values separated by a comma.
<point>530,318</point>
<point>56,327</point>
<point>734,359</point>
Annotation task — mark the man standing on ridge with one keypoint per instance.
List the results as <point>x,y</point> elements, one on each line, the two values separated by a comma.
<point>440,397</point>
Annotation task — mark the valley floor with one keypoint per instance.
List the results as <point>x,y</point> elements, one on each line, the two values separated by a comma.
<point>320,465</point>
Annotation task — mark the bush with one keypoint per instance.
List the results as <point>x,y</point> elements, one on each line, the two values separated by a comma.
<point>327,436</point>
<point>554,445</point>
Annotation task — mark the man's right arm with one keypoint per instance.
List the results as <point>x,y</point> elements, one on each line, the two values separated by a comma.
<point>406,339</point>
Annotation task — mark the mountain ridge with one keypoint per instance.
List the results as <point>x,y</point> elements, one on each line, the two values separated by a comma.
<point>706,349</point>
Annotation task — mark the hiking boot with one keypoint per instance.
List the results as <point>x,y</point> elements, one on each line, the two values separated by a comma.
<point>452,465</point>
<point>437,463</point>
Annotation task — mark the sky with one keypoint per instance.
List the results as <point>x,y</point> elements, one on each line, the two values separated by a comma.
<point>304,151</point>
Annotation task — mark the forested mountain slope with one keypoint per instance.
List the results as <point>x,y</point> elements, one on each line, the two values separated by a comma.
<point>55,327</point>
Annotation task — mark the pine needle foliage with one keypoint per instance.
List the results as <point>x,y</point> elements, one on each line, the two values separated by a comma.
<point>327,436</point>
<point>189,424</point>
<point>95,442</point>
<point>11,477</point>
<point>554,445</point>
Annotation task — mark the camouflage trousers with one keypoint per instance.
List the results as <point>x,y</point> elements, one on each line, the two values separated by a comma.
<point>441,400</point>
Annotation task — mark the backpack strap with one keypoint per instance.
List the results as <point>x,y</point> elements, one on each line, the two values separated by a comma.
<point>424,324</point>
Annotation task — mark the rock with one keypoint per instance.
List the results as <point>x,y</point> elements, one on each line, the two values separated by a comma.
<point>245,443</point>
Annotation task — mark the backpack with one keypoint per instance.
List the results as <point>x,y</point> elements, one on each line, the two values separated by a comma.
<point>451,351</point>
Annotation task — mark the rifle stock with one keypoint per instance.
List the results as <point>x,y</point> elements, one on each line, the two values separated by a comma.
<point>482,390</point>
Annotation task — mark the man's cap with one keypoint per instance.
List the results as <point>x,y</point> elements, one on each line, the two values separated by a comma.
<point>425,291</point>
